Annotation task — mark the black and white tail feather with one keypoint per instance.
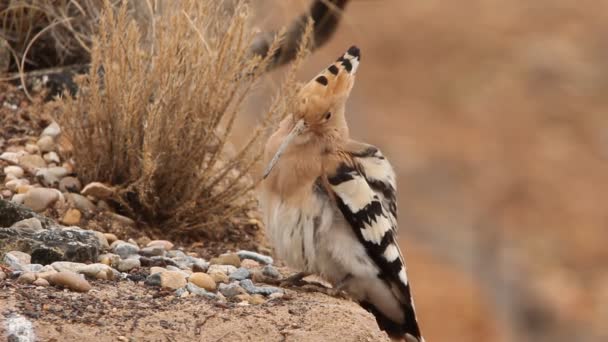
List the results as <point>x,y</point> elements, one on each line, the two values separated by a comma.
<point>365,193</point>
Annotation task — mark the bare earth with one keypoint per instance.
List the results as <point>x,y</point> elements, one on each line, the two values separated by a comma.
<point>126,311</point>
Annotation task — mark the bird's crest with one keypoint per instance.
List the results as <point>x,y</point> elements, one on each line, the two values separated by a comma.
<point>331,87</point>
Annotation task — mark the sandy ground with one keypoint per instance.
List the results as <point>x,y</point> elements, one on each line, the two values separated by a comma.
<point>126,311</point>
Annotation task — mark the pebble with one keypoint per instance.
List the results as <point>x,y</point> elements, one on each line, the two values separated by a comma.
<point>167,245</point>
<point>199,265</point>
<point>41,282</point>
<point>103,242</point>
<point>202,280</point>
<point>6,194</point>
<point>109,259</point>
<point>17,260</point>
<point>276,295</point>
<point>33,268</point>
<point>14,170</point>
<point>46,144</point>
<point>248,285</point>
<point>186,273</point>
<point>97,190</point>
<point>195,290</point>
<point>11,157</point>
<point>110,237</point>
<point>248,263</point>
<point>257,299</point>
<point>31,148</point>
<point>2,275</point>
<point>226,259</point>
<point>51,157</point>
<point>26,278</point>
<point>52,130</point>
<point>171,280</point>
<point>152,251</point>
<point>231,290</point>
<point>219,277</point>
<point>38,199</point>
<point>255,256</point>
<point>70,280</point>
<point>121,220</point>
<point>181,292</point>
<point>127,265</point>
<point>59,171</point>
<point>156,269</point>
<point>46,274</point>
<point>226,269</point>
<point>31,162</point>
<point>72,217</point>
<point>70,184</point>
<point>47,178</point>
<point>18,198</point>
<point>271,272</point>
<point>80,202</point>
<point>124,249</point>
<point>240,274</point>
<point>14,184</point>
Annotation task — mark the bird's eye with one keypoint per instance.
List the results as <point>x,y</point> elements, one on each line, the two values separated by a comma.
<point>327,115</point>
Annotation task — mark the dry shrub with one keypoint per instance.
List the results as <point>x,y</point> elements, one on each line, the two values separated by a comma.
<point>155,118</point>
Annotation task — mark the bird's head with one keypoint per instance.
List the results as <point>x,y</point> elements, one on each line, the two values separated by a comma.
<point>319,115</point>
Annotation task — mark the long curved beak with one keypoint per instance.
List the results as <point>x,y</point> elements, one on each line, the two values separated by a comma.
<point>295,131</point>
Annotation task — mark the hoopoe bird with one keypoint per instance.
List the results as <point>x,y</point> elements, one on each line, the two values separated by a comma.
<point>329,203</point>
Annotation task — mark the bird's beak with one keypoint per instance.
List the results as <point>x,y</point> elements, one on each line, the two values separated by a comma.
<point>295,131</point>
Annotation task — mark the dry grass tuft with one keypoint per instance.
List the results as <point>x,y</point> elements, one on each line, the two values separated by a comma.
<point>155,118</point>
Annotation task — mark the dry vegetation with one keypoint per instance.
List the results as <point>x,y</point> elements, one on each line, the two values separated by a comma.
<point>155,118</point>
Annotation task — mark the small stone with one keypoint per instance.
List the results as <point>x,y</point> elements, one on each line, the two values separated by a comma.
<point>46,144</point>
<point>226,259</point>
<point>181,293</point>
<point>127,265</point>
<point>167,245</point>
<point>98,190</point>
<point>152,251</point>
<point>59,171</point>
<point>248,285</point>
<point>202,280</point>
<point>219,277</point>
<point>243,297</point>
<point>122,220</point>
<point>46,274</point>
<point>257,299</point>
<point>103,242</point>
<point>109,259</point>
<point>195,290</point>
<point>14,170</point>
<point>124,249</point>
<point>271,272</point>
<point>30,225</point>
<point>240,274</point>
<point>32,162</point>
<point>11,157</point>
<point>156,269</point>
<point>248,263</point>
<point>64,266</point>
<point>276,295</point>
<point>32,148</point>
<point>172,280</point>
<point>81,203</point>
<point>18,198</point>
<point>26,278</point>
<point>51,157</point>
<point>41,282</point>
<point>38,199</point>
<point>110,237</point>
<point>70,280</point>
<point>52,130</point>
<point>6,194</point>
<point>23,189</point>
<point>70,184</point>
<point>17,260</point>
<point>2,275</point>
<point>35,268</point>
<point>255,256</point>
<point>72,217</point>
<point>226,269</point>
<point>153,279</point>
<point>186,273</point>
<point>47,178</point>
<point>14,184</point>
<point>133,242</point>
<point>231,290</point>
<point>199,265</point>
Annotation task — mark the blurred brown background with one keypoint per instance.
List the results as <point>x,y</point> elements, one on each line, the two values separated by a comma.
<point>495,117</point>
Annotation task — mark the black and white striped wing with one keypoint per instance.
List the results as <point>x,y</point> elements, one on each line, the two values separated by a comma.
<point>375,228</point>
<point>380,176</point>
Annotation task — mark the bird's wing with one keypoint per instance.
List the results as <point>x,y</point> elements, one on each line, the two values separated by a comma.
<point>378,173</point>
<point>371,222</point>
